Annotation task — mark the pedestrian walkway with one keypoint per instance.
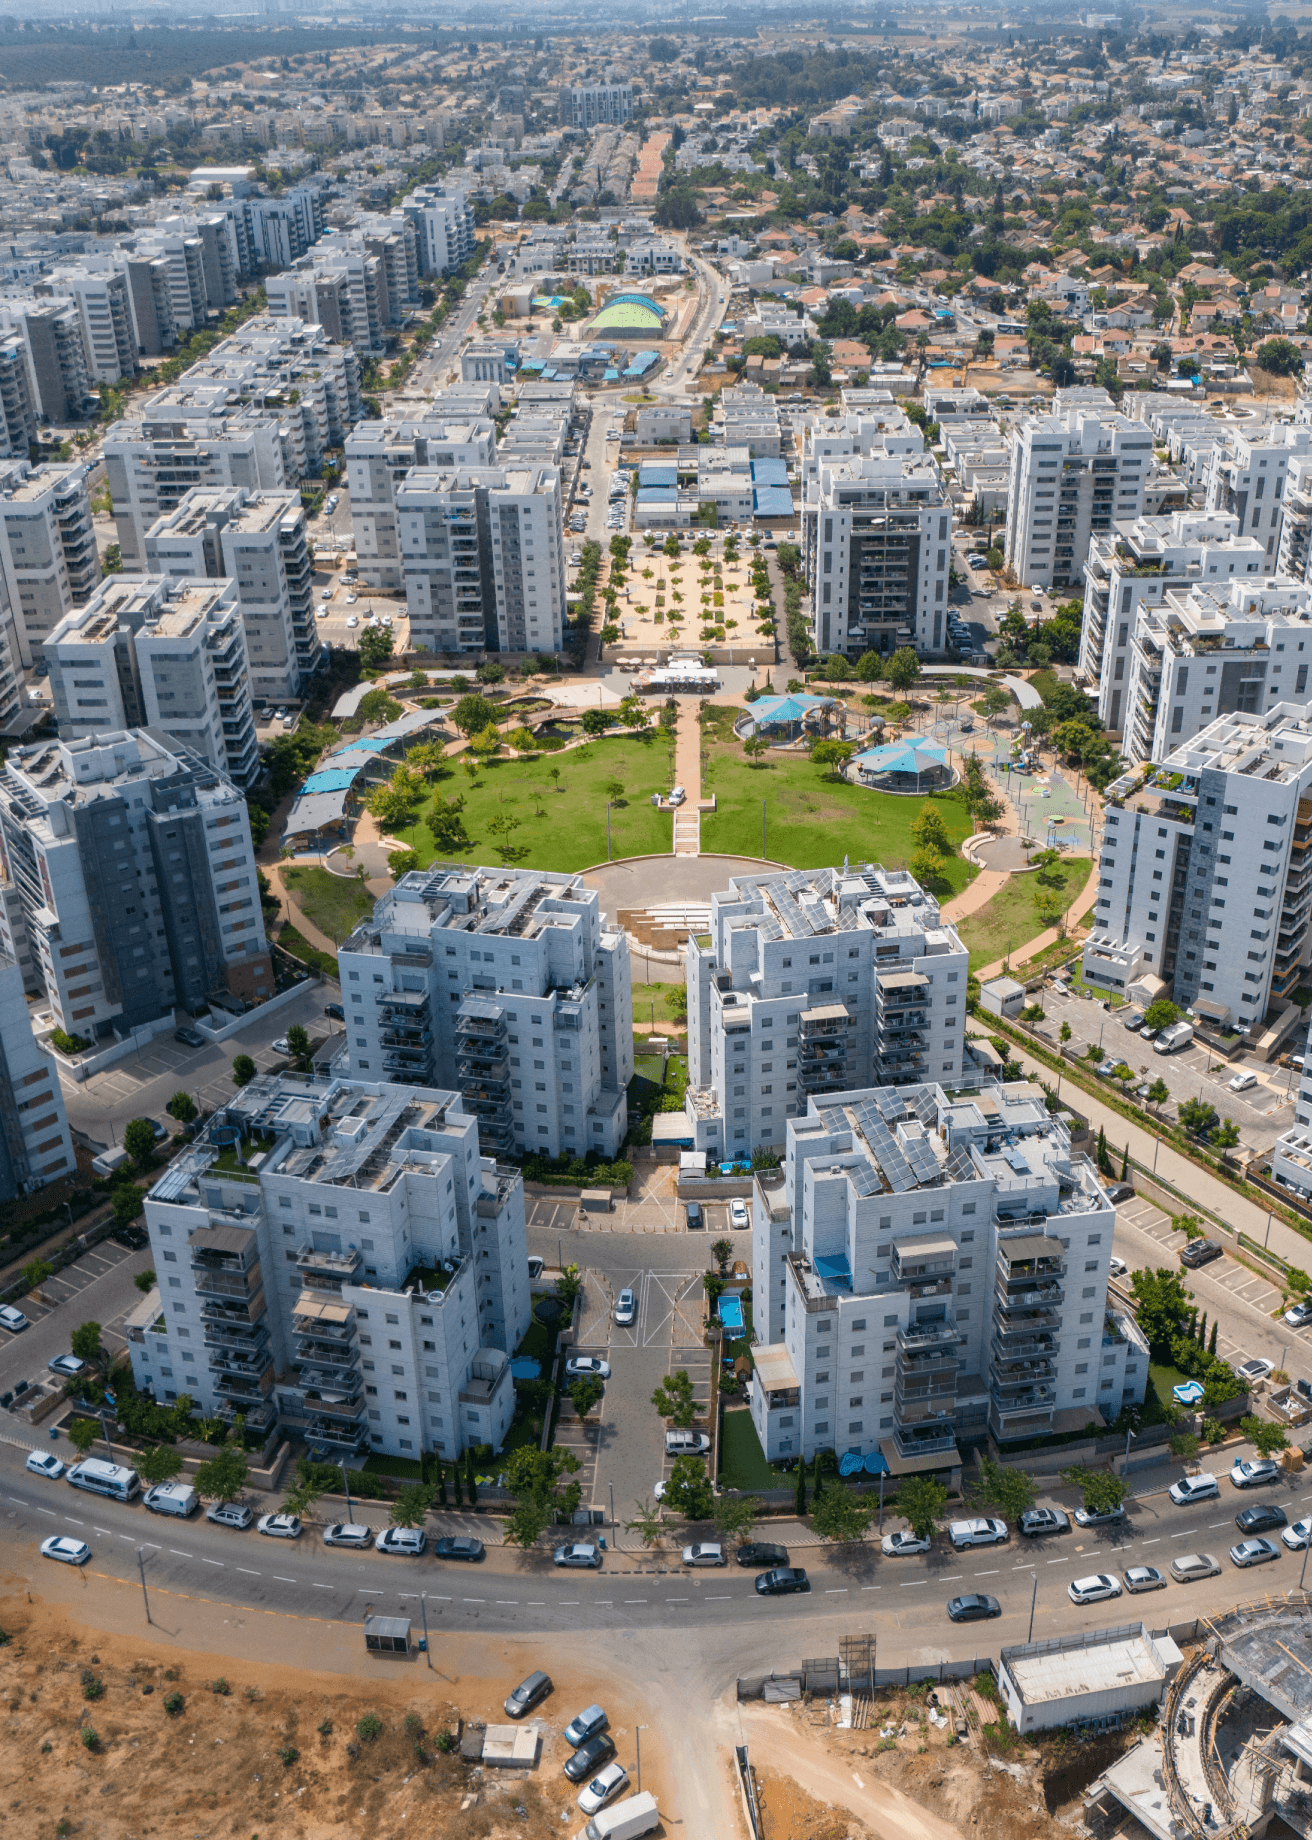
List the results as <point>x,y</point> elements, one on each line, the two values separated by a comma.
<point>688,774</point>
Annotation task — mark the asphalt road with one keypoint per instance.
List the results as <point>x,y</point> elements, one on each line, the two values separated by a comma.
<point>98,1288</point>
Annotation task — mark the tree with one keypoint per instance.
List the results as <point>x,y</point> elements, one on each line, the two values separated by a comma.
<point>736,1516</point>
<point>688,1490</point>
<point>614,790</point>
<point>1162,1307</point>
<point>160,1463</point>
<point>139,1141</point>
<point>673,1398</point>
<point>1064,1032</point>
<point>401,862</point>
<point>927,867</point>
<point>595,722</point>
<point>585,1393</point>
<point>447,826</point>
<point>832,755</point>
<point>82,1434</point>
<point>1279,356</point>
<point>646,1523</point>
<point>1226,1135</point>
<point>472,713</point>
<point>86,1344</point>
<point>755,747</point>
<point>929,830</point>
<point>485,744</point>
<point>36,1271</point>
<point>1102,1489</point>
<point>501,827</point>
<point>375,647</point>
<point>528,1521</point>
<point>1160,1014</point>
<point>903,668</point>
<point>922,1502</point>
<point>996,700</point>
<point>722,1252</point>
<point>471,1480</point>
<point>1010,1491</point>
<point>799,1499</point>
<point>1159,1092</point>
<point>841,1517</point>
<point>869,668</point>
<point>298,1040</point>
<point>126,1203</point>
<point>1197,1116</point>
<point>304,1492</point>
<point>182,1107</point>
<point>536,1478</point>
<point>1265,1438</point>
<point>412,1504</point>
<point>243,1070</point>
<point>223,1475</point>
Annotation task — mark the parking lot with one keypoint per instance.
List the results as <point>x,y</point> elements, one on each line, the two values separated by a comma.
<point>98,1288</point>
<point>655,1208</point>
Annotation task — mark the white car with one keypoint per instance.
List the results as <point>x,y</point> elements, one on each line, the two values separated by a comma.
<point>626,1308</point>
<point>1144,1578</point>
<point>902,1545</point>
<point>348,1533</point>
<point>67,1551</point>
<point>44,1463</point>
<point>580,1366</point>
<point>1093,1589</point>
<point>12,1319</point>
<point>351,620</point>
<point>982,1532</point>
<point>325,594</point>
<point>1256,1369</point>
<point>1194,1565</point>
<point>579,1553</point>
<point>605,1784</point>
<point>351,599</point>
<point>384,619</point>
<point>1117,1267</point>
<point>738,1214</point>
<point>1242,1082</point>
<point>281,1045</point>
<point>706,1552</point>
<point>1296,1535</point>
<point>677,796</point>
<point>321,613</point>
<point>279,1526</point>
<point>409,1542</point>
<point>1190,1489</point>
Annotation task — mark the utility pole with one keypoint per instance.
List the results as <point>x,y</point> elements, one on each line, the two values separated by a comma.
<point>1034,1598</point>
<point>423,1611</point>
<point>142,1569</point>
<point>763,855</point>
<point>637,1735</point>
<point>611,1487</point>
<point>608,830</point>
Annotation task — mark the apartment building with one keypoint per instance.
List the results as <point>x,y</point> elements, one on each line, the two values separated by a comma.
<point>1206,869</point>
<point>379,458</point>
<point>482,558</point>
<point>288,369</point>
<point>51,332</point>
<point>35,1144</point>
<point>932,1271</point>
<point>48,555</point>
<point>15,711</point>
<point>876,545</point>
<point>444,227</point>
<point>1247,475</point>
<point>504,982</point>
<point>18,409</point>
<point>259,541</point>
<point>341,1262</point>
<point>162,653</point>
<point>137,874</point>
<point>340,289</point>
<point>1072,475</point>
<point>102,298</point>
<point>151,464</point>
<point>1134,564</point>
<point>815,981</point>
<point>592,105</point>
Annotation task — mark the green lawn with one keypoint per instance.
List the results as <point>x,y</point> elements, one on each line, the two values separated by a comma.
<point>299,946</point>
<point>1009,921</point>
<point>742,1461</point>
<point>812,821</point>
<point>647,996</point>
<point>561,826</point>
<point>331,902</point>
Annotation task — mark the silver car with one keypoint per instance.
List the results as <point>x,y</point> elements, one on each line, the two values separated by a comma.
<point>348,1533</point>
<point>1192,1566</point>
<point>1144,1578</point>
<point>580,1553</point>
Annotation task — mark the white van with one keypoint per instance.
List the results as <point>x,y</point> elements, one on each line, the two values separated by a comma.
<point>172,1498</point>
<point>636,1814</point>
<point>110,1160</point>
<point>105,1479</point>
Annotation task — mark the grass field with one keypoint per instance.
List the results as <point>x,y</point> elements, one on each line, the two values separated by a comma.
<point>299,946</point>
<point>657,996</point>
<point>812,821</point>
<point>561,825</point>
<point>1008,921</point>
<point>330,902</point>
<point>742,1461</point>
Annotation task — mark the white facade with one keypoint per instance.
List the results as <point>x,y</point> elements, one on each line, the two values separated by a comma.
<point>876,544</point>
<point>591,105</point>
<point>364,1291</point>
<point>444,227</point>
<point>816,982</point>
<point>504,982</point>
<point>152,464</point>
<point>1072,475</point>
<point>1247,475</point>
<point>935,1270</point>
<point>35,1145</point>
<point>379,456</point>
<point>48,556</point>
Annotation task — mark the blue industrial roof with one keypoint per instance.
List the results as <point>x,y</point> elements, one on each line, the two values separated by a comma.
<point>372,744</point>
<point>650,473</point>
<point>769,473</point>
<point>772,501</point>
<point>611,375</point>
<point>658,495</point>
<point>641,362</point>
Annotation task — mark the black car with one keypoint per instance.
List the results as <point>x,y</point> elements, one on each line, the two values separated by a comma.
<point>190,1038</point>
<point>973,1607</point>
<point>132,1237</point>
<point>782,1581</point>
<point>1200,1252</point>
<point>589,1757</point>
<point>460,1547</point>
<point>335,1009</point>
<point>761,1552</point>
<point>1261,1519</point>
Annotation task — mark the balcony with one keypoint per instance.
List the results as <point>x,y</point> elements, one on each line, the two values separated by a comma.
<point>923,1261</point>
<point>336,1268</point>
<point>925,1337</point>
<point>240,1388</point>
<point>239,1286</point>
<point>910,1444</point>
<point>233,1313</point>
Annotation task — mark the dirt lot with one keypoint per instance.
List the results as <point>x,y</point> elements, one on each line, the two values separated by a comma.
<point>92,1749</point>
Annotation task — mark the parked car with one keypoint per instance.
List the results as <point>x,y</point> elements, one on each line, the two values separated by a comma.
<point>1252,1472</point>
<point>686,1443</point>
<point>973,1607</point>
<point>738,1213</point>
<point>279,1526</point>
<point>1194,1565</point>
<point>782,1581</point>
<point>1242,1082</point>
<point>1037,1521</point>
<point>580,1366</point>
<point>1298,1315</point>
<point>580,1553</point>
<point>1296,1536</point>
<point>586,1724</point>
<point>761,1552</point>
<point>461,1546</point>
<point>1093,1589</point>
<point>1107,1517</point>
<point>981,1532</point>
<point>67,1366</point>
<point>589,1758</point>
<point>1200,1252</point>
<point>135,1239</point>
<point>626,1308</point>
<point>281,1045</point>
<point>1264,1517</point>
<point>407,1542</point>
<point>348,1533</point>
<point>1118,1192</point>
<point>902,1545</point>
<point>530,1692</point>
<point>190,1038</point>
<point>705,1552</point>
<point>1190,1489</point>
<point>605,1785</point>
<point>1254,1370</point>
<point>335,1010</point>
<point>12,1319</point>
<point>230,1514</point>
<point>1253,1552</point>
<point>44,1463</point>
<point>1144,1578</point>
<point>65,1549</point>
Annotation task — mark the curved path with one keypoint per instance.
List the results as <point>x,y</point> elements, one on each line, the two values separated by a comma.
<point>1025,693</point>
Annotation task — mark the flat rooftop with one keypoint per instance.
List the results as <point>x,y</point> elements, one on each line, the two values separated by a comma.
<point>1273,1655</point>
<point>1129,1657</point>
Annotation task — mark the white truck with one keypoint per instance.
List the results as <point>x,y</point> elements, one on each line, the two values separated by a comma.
<point>636,1814</point>
<point>1175,1035</point>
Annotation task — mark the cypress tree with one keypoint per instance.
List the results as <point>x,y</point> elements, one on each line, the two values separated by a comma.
<point>455,1477</point>
<point>800,1503</point>
<point>441,1483</point>
<point>1211,1346</point>
<point>819,1485</point>
<point>1125,1165</point>
<point>1202,1329</point>
<point>471,1484</point>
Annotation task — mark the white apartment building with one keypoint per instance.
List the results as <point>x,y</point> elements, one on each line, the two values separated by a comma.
<point>815,981</point>
<point>356,1274</point>
<point>1206,869</point>
<point>932,1270</point>
<point>104,308</point>
<point>876,544</point>
<point>48,555</point>
<point>1072,476</point>
<point>35,1144</point>
<point>152,464</point>
<point>51,331</point>
<point>137,875</point>
<point>1247,475</point>
<point>380,455</point>
<point>483,558</point>
<point>444,227</point>
<point>590,105</point>
<point>158,652</point>
<point>504,982</point>
<point>1134,564</point>
<point>18,412</point>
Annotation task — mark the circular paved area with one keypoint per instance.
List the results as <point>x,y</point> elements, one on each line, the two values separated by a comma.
<point>1006,853</point>
<point>657,880</point>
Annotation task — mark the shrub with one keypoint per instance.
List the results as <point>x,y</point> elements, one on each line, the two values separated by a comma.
<point>413,1724</point>
<point>368,1727</point>
<point>446,1741</point>
<point>221,1687</point>
<point>91,1687</point>
<point>173,1704</point>
<point>253,1693</point>
<point>91,1738</point>
<point>289,1754</point>
<point>325,1728</point>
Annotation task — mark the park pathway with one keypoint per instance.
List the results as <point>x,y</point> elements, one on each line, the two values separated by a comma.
<point>688,774</point>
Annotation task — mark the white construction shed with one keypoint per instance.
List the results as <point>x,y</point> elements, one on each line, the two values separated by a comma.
<point>1091,1679</point>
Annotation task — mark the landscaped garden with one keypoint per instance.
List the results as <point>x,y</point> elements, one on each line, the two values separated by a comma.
<point>333,903</point>
<point>1023,907</point>
<point>743,1463</point>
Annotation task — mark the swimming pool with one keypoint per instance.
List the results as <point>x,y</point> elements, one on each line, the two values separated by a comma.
<point>731,1314</point>
<point>524,1367</point>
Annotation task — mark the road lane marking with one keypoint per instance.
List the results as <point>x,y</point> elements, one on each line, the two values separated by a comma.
<point>1213,1525</point>
<point>249,1573</point>
<point>179,1554</point>
<point>217,1562</point>
<point>911,1583</point>
<point>635,1600</point>
<point>49,1511</point>
<point>72,1522</point>
<point>1050,1562</point>
<point>569,1603</point>
<point>473,1600</point>
<point>836,1591</point>
<point>723,1598</point>
<point>539,1603</point>
<point>279,1579</point>
<point>992,1574</point>
<point>104,1530</point>
<point>318,1587</point>
<point>678,1600</point>
<point>507,1600</point>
